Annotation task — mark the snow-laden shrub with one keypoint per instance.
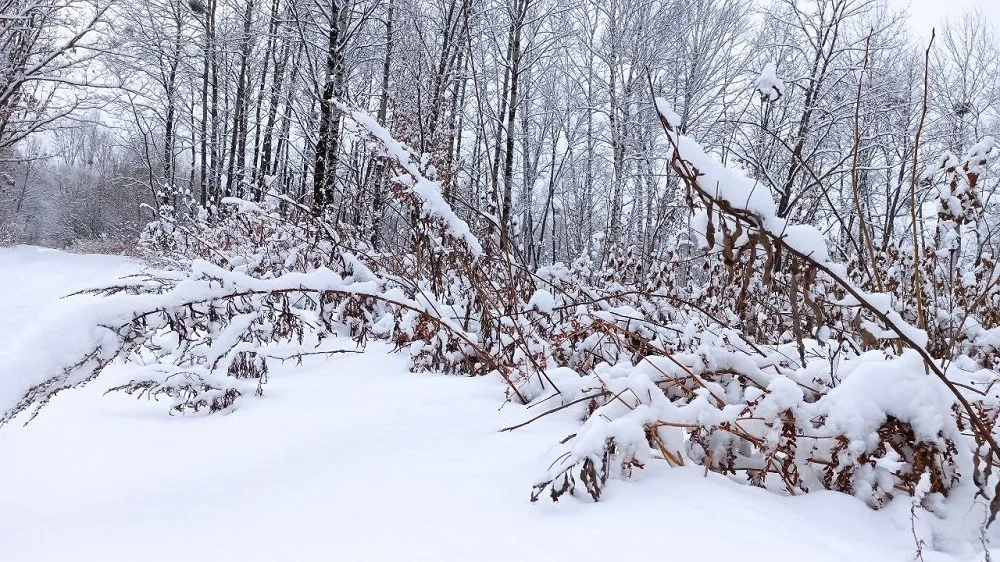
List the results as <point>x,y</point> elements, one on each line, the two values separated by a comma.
<point>839,391</point>
<point>248,283</point>
<point>761,360</point>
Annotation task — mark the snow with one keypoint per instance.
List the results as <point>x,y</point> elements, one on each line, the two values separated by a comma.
<point>664,108</point>
<point>29,274</point>
<point>976,156</point>
<point>354,458</point>
<point>85,327</point>
<point>873,388</point>
<point>33,317</point>
<point>721,182</point>
<point>743,193</point>
<point>542,301</point>
<point>806,240</point>
<point>768,84</point>
<point>423,186</point>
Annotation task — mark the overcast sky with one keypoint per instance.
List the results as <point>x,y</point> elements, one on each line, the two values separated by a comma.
<point>925,14</point>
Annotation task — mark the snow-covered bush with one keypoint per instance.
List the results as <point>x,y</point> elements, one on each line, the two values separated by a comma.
<point>247,283</point>
<point>763,360</point>
<point>839,391</point>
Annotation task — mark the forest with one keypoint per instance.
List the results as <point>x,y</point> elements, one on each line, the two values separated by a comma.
<point>759,238</point>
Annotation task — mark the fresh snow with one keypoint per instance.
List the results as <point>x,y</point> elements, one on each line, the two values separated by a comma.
<point>542,301</point>
<point>664,108</point>
<point>354,458</point>
<point>429,192</point>
<point>32,280</point>
<point>741,192</point>
<point>768,85</point>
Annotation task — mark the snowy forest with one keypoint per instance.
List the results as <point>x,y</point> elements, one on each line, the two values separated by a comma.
<point>756,238</point>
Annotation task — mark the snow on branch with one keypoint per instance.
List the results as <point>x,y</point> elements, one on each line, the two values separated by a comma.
<point>664,380</point>
<point>259,287</point>
<point>750,202</point>
<point>414,177</point>
<point>768,85</point>
<point>747,202</point>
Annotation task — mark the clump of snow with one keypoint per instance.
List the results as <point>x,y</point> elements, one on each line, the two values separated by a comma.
<point>768,85</point>
<point>719,181</point>
<point>977,155</point>
<point>807,240</point>
<point>665,110</point>
<point>699,227</point>
<point>542,301</point>
<point>873,388</point>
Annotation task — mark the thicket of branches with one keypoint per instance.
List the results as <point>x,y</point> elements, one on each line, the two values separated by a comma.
<point>533,111</point>
<point>759,241</point>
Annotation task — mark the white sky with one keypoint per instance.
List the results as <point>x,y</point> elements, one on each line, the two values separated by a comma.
<point>926,14</point>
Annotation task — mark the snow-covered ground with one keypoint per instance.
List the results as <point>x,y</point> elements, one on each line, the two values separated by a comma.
<point>354,458</point>
<point>32,280</point>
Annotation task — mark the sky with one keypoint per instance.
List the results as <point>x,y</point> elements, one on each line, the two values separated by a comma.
<point>926,14</point>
